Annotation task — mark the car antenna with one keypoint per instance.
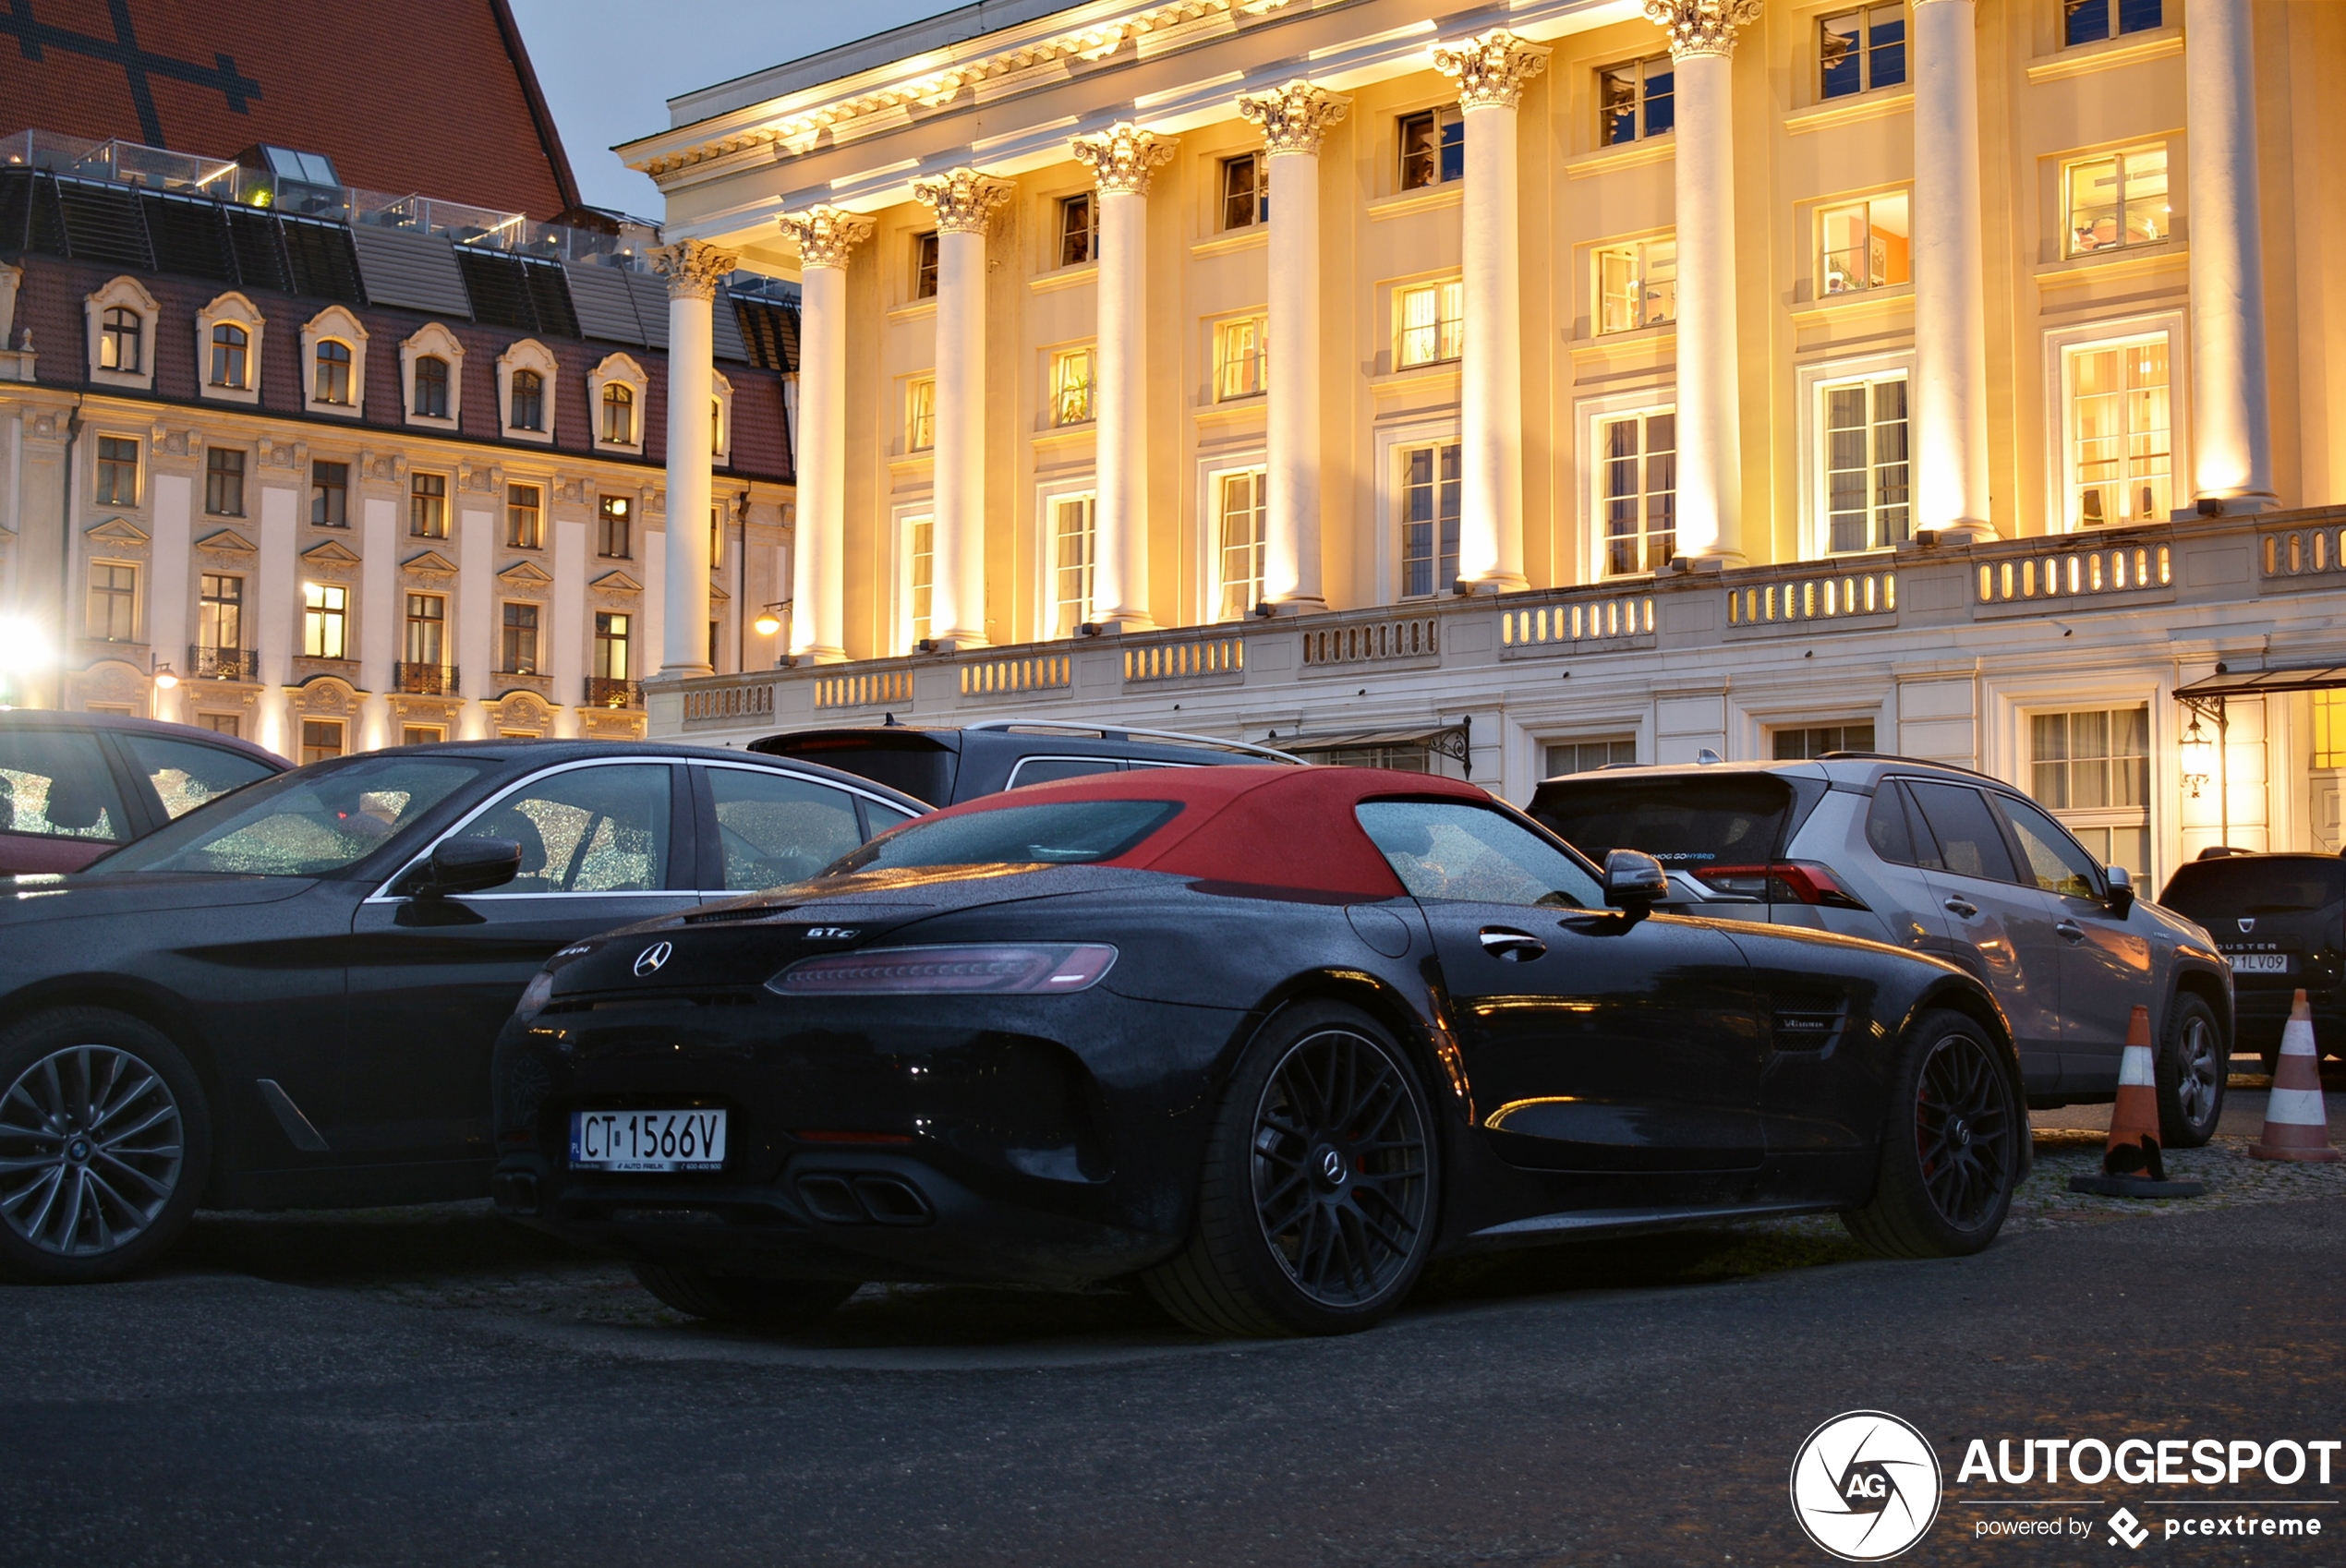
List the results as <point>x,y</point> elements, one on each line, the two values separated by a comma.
<point>887,722</point>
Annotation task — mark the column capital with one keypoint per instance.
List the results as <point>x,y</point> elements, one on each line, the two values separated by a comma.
<point>692,268</point>
<point>1123,156</point>
<point>962,199</point>
<point>1293,116</point>
<point>1492,67</point>
<point>826,235</point>
<point>1702,27</point>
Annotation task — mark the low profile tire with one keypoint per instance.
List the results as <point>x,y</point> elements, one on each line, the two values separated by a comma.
<point>1319,1189</point>
<point>778,1306</point>
<point>1951,1146</point>
<point>2193,1065</point>
<point>104,1141</point>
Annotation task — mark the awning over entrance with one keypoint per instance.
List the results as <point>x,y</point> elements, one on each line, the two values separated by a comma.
<point>2263,683</point>
<point>1447,740</point>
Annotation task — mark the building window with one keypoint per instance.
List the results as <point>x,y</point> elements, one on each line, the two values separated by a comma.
<point>1246,191</point>
<point>920,414</point>
<point>1072,541</point>
<point>1800,742</point>
<point>219,724</point>
<point>2329,729</point>
<point>2117,201</point>
<point>1429,519</point>
<point>325,610</point>
<point>1636,100</point>
<point>1240,358</point>
<point>1858,50</point>
<point>1433,324</point>
<point>1240,529</point>
<point>120,339</point>
<point>230,350</point>
<point>334,373</point>
<point>716,537</point>
<point>618,414</point>
<point>1865,466</point>
<point>1433,148</point>
<point>1071,387</point>
<point>611,648</point>
<point>427,505</point>
<point>1636,285</point>
<point>528,400</point>
<point>2120,422</point>
<point>224,482</point>
<point>114,602</point>
<point>1079,230</point>
<point>330,494</point>
<point>2091,769</point>
<point>920,562</point>
<point>524,517</point>
<point>1637,488</point>
<point>1586,756</point>
<point>925,265</point>
<point>518,640</point>
<point>321,739</point>
<point>117,471</point>
<point>427,630</point>
<point>1864,245</point>
<point>610,528</point>
<point>2090,21</point>
<point>219,614</point>
<point>717,438</point>
<point>422,734</point>
<point>431,387</point>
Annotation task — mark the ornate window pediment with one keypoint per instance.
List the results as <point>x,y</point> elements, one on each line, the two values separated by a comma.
<point>616,583</point>
<point>228,338</point>
<point>526,378</point>
<point>525,575</point>
<point>227,541</point>
<point>121,320</point>
<point>116,531</point>
<point>334,360</point>
<point>618,393</point>
<point>432,395</point>
<point>429,563</point>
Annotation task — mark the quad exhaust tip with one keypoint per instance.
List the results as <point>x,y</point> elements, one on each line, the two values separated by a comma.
<point>841,1198</point>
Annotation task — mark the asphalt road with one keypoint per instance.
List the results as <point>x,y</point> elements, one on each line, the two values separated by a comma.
<point>433,1387</point>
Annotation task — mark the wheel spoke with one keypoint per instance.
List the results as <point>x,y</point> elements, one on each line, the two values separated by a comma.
<point>95,1150</point>
<point>1340,1173</point>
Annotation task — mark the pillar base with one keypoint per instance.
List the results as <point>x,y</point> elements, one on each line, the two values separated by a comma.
<point>823,654</point>
<point>1511,582</point>
<point>1291,606</point>
<point>668,674</point>
<point>953,643</point>
<point>1704,561</point>
<point>1961,531</point>
<point>2247,505</point>
<point>1116,625</point>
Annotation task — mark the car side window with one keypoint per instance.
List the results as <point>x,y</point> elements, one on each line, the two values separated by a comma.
<point>1886,828</point>
<point>1449,849</point>
<point>1044,770</point>
<point>774,828</point>
<point>585,829</point>
<point>1969,843</point>
<point>186,773</point>
<point>56,783</point>
<point>2057,862</point>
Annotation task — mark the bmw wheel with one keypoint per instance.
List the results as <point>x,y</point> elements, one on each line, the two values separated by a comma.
<point>777,1306</point>
<point>1318,1198</point>
<point>2193,1067</point>
<point>103,1142</point>
<point>1951,1149</point>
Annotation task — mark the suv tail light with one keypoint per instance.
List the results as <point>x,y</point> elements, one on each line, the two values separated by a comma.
<point>1781,882</point>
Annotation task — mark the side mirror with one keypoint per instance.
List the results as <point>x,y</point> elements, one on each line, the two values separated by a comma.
<point>467,865</point>
<point>2122,890</point>
<point>1634,881</point>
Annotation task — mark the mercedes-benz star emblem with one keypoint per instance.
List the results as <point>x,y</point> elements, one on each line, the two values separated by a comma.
<point>650,958</point>
<point>1332,1165</point>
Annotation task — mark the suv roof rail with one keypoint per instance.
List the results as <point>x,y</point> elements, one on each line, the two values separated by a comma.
<point>1895,756</point>
<point>1178,737</point>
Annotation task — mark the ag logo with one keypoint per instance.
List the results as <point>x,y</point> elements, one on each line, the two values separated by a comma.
<point>1865,1486</point>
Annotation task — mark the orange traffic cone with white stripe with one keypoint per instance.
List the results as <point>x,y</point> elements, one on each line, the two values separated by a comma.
<point>2296,1123</point>
<point>2132,1165</point>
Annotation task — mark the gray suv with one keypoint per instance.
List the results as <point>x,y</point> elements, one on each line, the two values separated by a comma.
<point>1946,861</point>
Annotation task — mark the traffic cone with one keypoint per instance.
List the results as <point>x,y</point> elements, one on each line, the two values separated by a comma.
<point>2296,1123</point>
<point>2131,1163</point>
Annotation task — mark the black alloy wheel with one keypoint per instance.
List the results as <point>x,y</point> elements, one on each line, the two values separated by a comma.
<point>1951,1146</point>
<point>2193,1069</point>
<point>1962,1135</point>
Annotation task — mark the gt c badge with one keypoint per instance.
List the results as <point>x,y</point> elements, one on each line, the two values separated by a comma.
<point>2247,925</point>
<point>833,932</point>
<point>650,958</point>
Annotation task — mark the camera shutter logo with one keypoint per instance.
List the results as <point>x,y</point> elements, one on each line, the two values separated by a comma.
<point>1865,1486</point>
<point>650,958</point>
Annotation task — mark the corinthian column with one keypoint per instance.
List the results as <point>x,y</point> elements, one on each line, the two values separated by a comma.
<point>963,200</point>
<point>818,619</point>
<point>693,270</point>
<point>1951,280</point>
<point>1121,159</point>
<point>1491,69</point>
<point>1703,41</point>
<point>2232,426</point>
<point>1292,119</point>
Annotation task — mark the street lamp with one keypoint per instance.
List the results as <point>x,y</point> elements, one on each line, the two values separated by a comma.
<point>2198,757</point>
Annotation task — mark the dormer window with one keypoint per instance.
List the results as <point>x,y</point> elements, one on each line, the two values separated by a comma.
<point>431,387</point>
<point>529,401</point>
<point>117,320</point>
<point>618,414</point>
<point>120,341</point>
<point>333,372</point>
<point>617,391</point>
<point>526,389</point>
<point>230,346</point>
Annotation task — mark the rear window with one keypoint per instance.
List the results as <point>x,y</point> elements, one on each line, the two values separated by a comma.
<point>1691,823</point>
<point>907,760</point>
<point>2240,885</point>
<point>1063,833</point>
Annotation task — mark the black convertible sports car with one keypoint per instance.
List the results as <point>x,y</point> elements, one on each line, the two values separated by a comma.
<point>1268,1037</point>
<point>288,998</point>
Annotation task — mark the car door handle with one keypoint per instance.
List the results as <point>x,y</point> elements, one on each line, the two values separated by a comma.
<point>1962,907</point>
<point>1510,946</point>
<point>2070,930</point>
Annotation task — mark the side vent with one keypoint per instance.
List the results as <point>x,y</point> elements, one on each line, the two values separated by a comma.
<point>1806,1023</point>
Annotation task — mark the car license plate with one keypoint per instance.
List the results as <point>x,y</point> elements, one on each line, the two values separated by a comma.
<point>2260,963</point>
<point>647,1140</point>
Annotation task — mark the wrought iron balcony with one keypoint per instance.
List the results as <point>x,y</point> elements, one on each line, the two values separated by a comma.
<point>426,680</point>
<point>223,663</point>
<point>603,693</point>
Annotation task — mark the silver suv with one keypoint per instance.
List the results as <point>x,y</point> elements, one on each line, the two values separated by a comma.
<point>1945,862</point>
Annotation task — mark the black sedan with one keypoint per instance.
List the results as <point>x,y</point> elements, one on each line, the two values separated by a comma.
<point>288,998</point>
<point>1268,1038</point>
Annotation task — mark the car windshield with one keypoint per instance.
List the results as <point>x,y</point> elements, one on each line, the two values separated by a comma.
<point>1061,833</point>
<point>2251,884</point>
<point>308,822</point>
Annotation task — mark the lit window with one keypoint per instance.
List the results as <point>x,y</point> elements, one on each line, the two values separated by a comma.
<point>1638,488</point>
<point>1800,742</point>
<point>2117,201</point>
<point>1636,100</point>
<point>224,482</point>
<point>529,400</point>
<point>431,387</point>
<point>618,414</point>
<point>120,337</point>
<point>230,347</point>
<point>334,373</point>
<point>330,494</point>
<point>219,617</point>
<point>1246,191</point>
<point>1079,230</point>
<point>114,602</point>
<point>427,630</point>
<point>1240,358</point>
<point>524,517</point>
<point>1240,503</point>
<point>321,739</point>
<point>717,427</point>
<point>1430,485</point>
<point>1071,387</point>
<point>1864,245</point>
<point>325,610</point>
<point>517,642</point>
<point>422,734</point>
<point>427,505</point>
<point>2120,423</point>
<point>1586,756</point>
<point>2090,21</point>
<point>1636,285</point>
<point>2091,769</point>
<point>1865,466</point>
<point>1858,50</point>
<point>611,648</point>
<point>1433,324</point>
<point>117,471</point>
<point>1433,148</point>
<point>924,266</point>
<point>1070,564</point>
<point>610,528</point>
<point>920,546</point>
<point>920,414</point>
<point>2329,729</point>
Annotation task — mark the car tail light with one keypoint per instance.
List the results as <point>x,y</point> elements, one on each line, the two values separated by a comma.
<point>884,971</point>
<point>1781,882</point>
